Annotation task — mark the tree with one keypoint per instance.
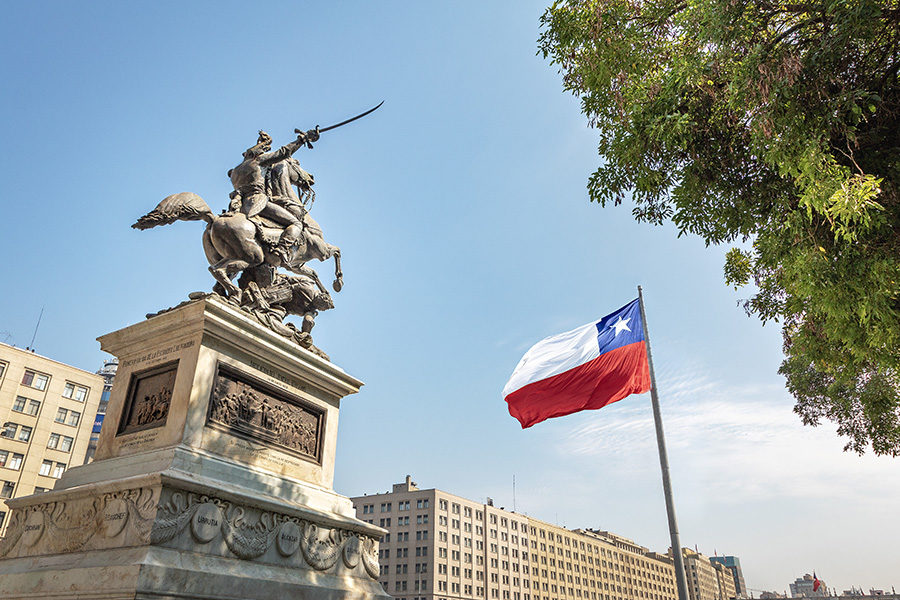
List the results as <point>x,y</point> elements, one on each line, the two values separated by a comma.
<point>773,126</point>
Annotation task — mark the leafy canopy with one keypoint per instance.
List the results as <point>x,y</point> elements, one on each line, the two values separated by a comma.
<point>775,124</point>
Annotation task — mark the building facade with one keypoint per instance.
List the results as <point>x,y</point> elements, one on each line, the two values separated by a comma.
<point>803,588</point>
<point>703,578</point>
<point>725,580</point>
<point>439,546</point>
<point>733,564</point>
<point>108,373</point>
<point>47,410</point>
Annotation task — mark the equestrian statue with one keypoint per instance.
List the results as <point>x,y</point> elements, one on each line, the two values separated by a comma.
<point>266,227</point>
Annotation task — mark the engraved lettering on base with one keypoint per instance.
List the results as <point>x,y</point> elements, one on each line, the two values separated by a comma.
<point>288,540</point>
<point>249,407</point>
<point>114,517</point>
<point>206,523</point>
<point>149,396</point>
<point>34,527</point>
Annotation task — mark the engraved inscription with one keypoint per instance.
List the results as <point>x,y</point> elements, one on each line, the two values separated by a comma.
<point>288,540</point>
<point>149,396</point>
<point>115,516</point>
<point>206,522</point>
<point>156,355</point>
<point>143,439</point>
<point>249,408</point>
<point>34,527</point>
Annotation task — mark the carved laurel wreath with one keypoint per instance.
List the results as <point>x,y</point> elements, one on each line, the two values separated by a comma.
<point>320,547</point>
<point>68,527</point>
<point>65,527</point>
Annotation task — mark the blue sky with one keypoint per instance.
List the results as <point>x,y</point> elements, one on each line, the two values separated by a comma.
<point>467,236</point>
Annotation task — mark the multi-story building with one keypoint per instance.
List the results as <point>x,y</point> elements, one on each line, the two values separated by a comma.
<point>803,587</point>
<point>733,564</point>
<point>108,373</point>
<point>439,546</point>
<point>725,580</point>
<point>703,579</point>
<point>46,409</point>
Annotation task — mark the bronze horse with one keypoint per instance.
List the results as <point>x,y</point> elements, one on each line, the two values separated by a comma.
<point>233,242</point>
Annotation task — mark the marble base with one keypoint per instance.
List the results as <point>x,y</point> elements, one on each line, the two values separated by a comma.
<point>197,492</point>
<point>166,535</point>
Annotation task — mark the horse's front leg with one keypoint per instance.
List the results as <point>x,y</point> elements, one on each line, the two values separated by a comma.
<point>338,274</point>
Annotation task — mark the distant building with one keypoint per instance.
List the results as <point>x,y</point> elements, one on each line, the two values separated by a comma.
<point>803,588</point>
<point>108,373</point>
<point>46,408</point>
<point>703,578</point>
<point>439,546</point>
<point>771,596</point>
<point>733,564</point>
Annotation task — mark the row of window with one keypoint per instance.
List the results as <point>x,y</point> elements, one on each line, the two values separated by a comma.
<point>13,460</point>
<point>56,441</point>
<point>516,596</point>
<point>22,433</point>
<point>39,381</point>
<point>24,405</point>
<point>369,509</point>
<point>36,380</point>
<point>51,469</point>
<point>68,417</point>
<point>63,443</point>
<point>8,487</point>
<point>11,429</point>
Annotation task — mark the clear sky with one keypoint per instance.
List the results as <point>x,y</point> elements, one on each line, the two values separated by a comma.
<point>467,236</point>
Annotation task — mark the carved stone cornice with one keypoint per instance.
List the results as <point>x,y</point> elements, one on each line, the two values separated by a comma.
<point>187,520</point>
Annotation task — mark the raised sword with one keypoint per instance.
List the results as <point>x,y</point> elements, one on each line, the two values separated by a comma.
<point>319,130</point>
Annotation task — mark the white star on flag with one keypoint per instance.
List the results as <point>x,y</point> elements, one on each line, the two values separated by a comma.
<point>620,325</point>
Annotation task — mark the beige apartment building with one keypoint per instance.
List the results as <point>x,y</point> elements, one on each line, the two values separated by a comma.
<point>47,410</point>
<point>727,589</point>
<point>707,580</point>
<point>440,546</point>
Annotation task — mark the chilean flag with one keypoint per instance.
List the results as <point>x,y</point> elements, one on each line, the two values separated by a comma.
<point>583,369</point>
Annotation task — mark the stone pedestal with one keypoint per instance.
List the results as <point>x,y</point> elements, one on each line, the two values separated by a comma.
<point>212,478</point>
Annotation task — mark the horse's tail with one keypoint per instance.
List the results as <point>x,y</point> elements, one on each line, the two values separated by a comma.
<point>184,206</point>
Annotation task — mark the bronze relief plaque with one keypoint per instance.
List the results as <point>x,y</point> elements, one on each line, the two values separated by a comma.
<point>251,408</point>
<point>149,396</point>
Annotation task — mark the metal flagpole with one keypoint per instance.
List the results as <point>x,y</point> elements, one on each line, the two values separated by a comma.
<point>664,465</point>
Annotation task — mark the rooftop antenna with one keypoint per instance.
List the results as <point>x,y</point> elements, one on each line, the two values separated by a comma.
<point>38,324</point>
<point>514,492</point>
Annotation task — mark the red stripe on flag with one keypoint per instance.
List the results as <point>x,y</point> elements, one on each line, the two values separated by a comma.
<point>601,381</point>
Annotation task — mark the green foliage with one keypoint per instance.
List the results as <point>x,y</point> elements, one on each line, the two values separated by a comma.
<point>772,122</point>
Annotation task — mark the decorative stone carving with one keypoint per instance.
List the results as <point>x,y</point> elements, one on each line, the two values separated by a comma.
<point>80,524</point>
<point>369,556</point>
<point>320,552</point>
<point>34,528</point>
<point>351,552</point>
<point>251,409</point>
<point>249,537</point>
<point>288,540</point>
<point>206,522</point>
<point>115,517</point>
<point>148,400</point>
<point>247,540</point>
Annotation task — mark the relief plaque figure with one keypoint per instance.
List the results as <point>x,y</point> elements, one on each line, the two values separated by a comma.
<point>249,408</point>
<point>149,396</point>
